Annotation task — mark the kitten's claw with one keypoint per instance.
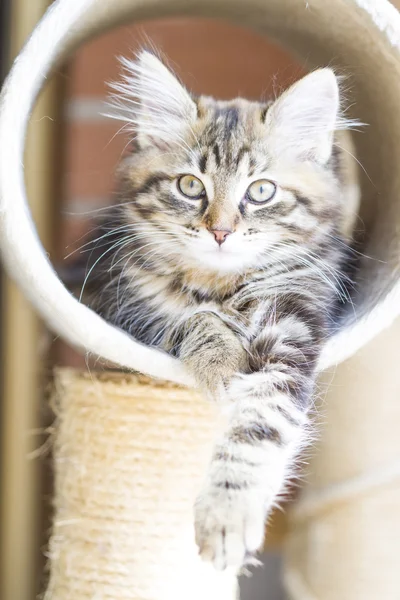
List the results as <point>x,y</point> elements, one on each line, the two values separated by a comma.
<point>229,527</point>
<point>219,394</point>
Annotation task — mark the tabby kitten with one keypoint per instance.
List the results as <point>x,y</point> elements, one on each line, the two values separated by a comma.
<point>225,249</point>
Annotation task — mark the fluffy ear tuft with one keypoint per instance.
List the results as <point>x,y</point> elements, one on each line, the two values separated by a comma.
<point>302,122</point>
<point>153,101</point>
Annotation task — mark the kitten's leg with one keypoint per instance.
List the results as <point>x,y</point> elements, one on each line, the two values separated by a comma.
<point>249,467</point>
<point>210,350</point>
<point>267,427</point>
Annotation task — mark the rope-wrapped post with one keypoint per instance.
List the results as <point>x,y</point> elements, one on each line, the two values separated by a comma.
<point>344,533</point>
<point>129,457</point>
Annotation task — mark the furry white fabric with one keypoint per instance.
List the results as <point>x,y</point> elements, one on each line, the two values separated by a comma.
<point>360,37</point>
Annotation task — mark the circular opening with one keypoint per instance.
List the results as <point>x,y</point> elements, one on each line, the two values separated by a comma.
<point>359,41</point>
<point>94,145</point>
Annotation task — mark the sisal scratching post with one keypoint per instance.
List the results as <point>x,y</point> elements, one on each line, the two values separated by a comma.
<point>129,457</point>
<point>344,534</point>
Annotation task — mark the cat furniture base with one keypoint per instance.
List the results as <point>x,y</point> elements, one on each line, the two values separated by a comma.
<point>344,531</point>
<point>129,456</point>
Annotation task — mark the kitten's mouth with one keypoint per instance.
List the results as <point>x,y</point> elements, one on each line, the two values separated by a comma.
<point>220,259</point>
<point>221,251</point>
<point>221,254</point>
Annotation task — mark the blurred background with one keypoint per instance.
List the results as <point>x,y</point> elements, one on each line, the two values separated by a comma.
<point>71,158</point>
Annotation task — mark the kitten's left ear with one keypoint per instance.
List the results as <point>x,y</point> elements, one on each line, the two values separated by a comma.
<point>152,99</point>
<point>301,123</point>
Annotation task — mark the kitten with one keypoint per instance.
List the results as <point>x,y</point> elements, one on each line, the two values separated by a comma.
<point>225,249</point>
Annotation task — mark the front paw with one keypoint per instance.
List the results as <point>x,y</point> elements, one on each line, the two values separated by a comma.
<point>229,523</point>
<point>218,392</point>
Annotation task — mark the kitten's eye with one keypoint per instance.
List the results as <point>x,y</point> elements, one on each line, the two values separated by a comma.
<point>261,191</point>
<point>191,187</point>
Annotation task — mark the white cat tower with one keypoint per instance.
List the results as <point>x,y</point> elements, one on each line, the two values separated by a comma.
<point>130,451</point>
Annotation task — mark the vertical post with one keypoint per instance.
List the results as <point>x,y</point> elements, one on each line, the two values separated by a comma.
<point>343,534</point>
<point>130,456</point>
<point>21,338</point>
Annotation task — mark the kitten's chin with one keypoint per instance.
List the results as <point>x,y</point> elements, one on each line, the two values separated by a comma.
<point>223,261</point>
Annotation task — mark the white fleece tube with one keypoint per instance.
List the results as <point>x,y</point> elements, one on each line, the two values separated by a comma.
<point>23,254</point>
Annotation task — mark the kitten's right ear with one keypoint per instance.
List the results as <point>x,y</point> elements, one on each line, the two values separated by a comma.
<point>152,99</point>
<point>303,120</point>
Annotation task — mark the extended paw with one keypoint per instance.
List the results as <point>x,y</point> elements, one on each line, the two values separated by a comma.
<point>229,524</point>
<point>218,392</point>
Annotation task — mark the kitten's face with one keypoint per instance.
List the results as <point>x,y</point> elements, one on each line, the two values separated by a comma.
<point>226,186</point>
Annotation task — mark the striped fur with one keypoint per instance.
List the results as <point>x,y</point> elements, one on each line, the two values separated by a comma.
<point>248,317</point>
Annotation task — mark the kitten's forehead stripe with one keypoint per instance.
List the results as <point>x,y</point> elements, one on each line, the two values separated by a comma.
<point>253,165</point>
<point>231,119</point>
<point>217,155</point>
<point>228,133</point>
<point>241,154</point>
<point>226,121</point>
<point>203,163</point>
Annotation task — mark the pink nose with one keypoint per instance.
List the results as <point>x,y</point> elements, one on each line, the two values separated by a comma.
<point>220,235</point>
